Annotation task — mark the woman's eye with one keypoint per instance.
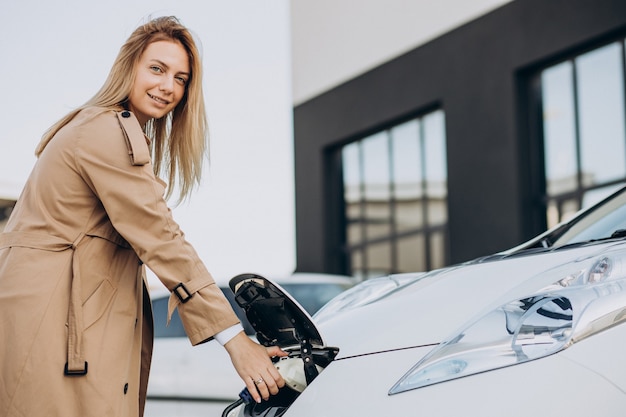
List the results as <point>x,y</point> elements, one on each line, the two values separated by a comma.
<point>181,80</point>
<point>156,68</point>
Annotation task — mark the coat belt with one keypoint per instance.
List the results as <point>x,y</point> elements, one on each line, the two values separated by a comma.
<point>76,364</point>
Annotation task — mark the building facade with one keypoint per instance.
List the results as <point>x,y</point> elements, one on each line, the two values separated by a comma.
<point>466,145</point>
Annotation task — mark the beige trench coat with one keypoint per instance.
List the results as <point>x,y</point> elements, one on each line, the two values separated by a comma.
<point>75,320</point>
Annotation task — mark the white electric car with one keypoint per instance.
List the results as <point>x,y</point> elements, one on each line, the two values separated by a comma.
<point>536,330</point>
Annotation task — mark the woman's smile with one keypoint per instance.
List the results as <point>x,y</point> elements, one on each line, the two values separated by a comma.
<point>158,99</point>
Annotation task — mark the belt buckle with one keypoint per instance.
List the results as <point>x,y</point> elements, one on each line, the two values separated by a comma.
<point>182,293</point>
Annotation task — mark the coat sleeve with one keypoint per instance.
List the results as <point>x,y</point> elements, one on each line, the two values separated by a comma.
<point>133,199</point>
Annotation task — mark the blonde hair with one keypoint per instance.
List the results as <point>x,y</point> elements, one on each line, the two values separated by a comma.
<point>179,139</point>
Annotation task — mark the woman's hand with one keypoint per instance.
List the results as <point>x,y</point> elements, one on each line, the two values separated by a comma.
<point>253,364</point>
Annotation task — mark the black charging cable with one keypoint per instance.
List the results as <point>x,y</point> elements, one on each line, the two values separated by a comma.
<point>232,407</point>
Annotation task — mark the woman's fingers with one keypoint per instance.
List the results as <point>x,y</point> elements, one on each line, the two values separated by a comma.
<point>252,362</point>
<point>274,351</point>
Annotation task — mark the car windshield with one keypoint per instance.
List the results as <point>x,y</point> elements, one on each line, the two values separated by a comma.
<point>605,221</point>
<point>313,296</point>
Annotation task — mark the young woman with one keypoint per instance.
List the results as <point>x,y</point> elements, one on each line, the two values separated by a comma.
<point>75,316</point>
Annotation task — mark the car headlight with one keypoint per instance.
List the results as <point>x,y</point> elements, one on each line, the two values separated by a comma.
<point>365,293</point>
<point>589,296</point>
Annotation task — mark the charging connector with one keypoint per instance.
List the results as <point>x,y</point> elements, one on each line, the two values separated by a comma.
<point>245,396</point>
<point>292,370</point>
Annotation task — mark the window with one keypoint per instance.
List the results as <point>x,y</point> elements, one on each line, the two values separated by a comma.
<point>584,137</point>
<point>395,198</point>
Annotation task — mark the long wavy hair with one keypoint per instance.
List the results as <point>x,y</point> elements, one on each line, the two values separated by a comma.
<point>180,139</point>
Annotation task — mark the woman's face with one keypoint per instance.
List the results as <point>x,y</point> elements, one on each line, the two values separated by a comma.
<point>162,74</point>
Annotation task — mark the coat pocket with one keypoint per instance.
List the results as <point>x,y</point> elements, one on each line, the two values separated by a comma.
<point>98,302</point>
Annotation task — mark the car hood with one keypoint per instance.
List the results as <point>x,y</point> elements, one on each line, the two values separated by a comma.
<point>424,309</point>
<point>413,310</point>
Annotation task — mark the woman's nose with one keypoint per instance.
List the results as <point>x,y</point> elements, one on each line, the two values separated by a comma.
<point>167,84</point>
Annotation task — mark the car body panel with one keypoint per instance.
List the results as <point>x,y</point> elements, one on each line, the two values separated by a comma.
<point>437,305</point>
<point>602,355</point>
<point>516,391</point>
<point>169,379</point>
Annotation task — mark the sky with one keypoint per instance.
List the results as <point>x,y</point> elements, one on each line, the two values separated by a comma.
<point>56,55</point>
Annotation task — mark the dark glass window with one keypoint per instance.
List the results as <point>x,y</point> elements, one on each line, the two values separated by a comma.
<point>584,136</point>
<point>395,198</point>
